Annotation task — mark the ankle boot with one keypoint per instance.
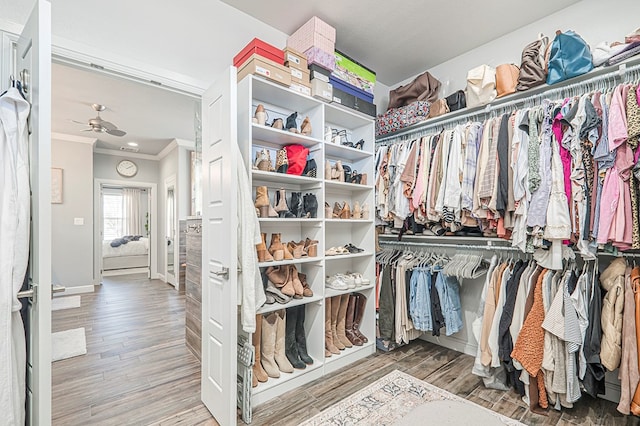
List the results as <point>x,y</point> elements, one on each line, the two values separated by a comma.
<point>297,284</point>
<point>291,124</point>
<point>262,200</point>
<point>357,211</point>
<point>259,375</point>
<point>310,205</point>
<point>335,306</point>
<point>297,208</point>
<point>340,171</point>
<point>301,336</point>
<point>345,213</point>
<point>287,254</point>
<point>260,115</point>
<point>291,345</point>
<point>351,307</point>
<point>280,356</point>
<point>268,345</point>
<point>329,347</point>
<point>281,205</point>
<point>361,303</point>
<point>305,127</point>
<point>263,253</point>
<point>276,248</point>
<point>282,161</point>
<point>342,317</point>
<point>277,124</point>
<point>327,170</point>
<point>281,278</point>
<point>328,213</point>
<point>306,292</point>
<point>263,160</point>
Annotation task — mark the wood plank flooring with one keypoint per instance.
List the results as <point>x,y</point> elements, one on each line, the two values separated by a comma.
<point>137,370</point>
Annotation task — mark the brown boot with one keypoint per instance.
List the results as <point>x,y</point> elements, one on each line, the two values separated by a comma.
<point>306,292</point>
<point>276,248</point>
<point>335,307</point>
<point>328,337</point>
<point>635,285</point>
<point>259,375</point>
<point>342,317</point>
<point>295,280</point>
<point>281,278</point>
<point>351,335</point>
<point>263,253</point>
<point>361,303</point>
<point>280,356</point>
<point>268,345</point>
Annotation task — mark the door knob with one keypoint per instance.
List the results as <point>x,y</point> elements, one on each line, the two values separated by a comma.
<point>224,272</point>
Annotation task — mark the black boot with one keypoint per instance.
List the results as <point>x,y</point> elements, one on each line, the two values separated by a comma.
<point>296,207</point>
<point>311,205</point>
<point>311,168</point>
<point>291,123</point>
<point>282,207</point>
<point>290,343</point>
<point>301,338</point>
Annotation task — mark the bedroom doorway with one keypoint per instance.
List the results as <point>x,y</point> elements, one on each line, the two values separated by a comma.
<point>126,231</point>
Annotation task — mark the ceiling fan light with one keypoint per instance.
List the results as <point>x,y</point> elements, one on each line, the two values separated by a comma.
<point>132,144</point>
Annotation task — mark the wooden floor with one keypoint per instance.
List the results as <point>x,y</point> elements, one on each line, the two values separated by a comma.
<point>138,371</point>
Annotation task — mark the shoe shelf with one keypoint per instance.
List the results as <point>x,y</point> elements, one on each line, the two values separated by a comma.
<point>278,137</point>
<point>348,256</point>
<point>316,259</point>
<point>348,221</point>
<point>349,356</point>
<point>260,176</point>
<point>335,150</point>
<point>287,381</point>
<point>300,220</point>
<point>330,292</point>
<point>294,302</point>
<point>352,187</point>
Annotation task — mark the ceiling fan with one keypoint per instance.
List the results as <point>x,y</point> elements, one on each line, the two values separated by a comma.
<point>99,125</point>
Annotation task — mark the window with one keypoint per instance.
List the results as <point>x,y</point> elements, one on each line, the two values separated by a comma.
<point>113,214</point>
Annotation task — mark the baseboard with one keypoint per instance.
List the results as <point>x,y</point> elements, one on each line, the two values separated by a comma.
<point>128,271</point>
<point>452,342</point>
<point>161,278</point>
<point>76,290</point>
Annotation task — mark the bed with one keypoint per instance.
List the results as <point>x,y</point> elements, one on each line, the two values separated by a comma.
<point>133,255</point>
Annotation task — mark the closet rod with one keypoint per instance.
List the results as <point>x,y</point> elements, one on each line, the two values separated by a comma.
<point>602,74</point>
<point>453,246</point>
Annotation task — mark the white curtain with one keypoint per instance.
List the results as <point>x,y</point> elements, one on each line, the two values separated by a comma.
<point>131,206</point>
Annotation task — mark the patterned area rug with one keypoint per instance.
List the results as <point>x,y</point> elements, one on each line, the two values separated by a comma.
<point>401,399</point>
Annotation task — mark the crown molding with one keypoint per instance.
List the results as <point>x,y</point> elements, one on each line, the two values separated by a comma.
<point>167,149</point>
<point>185,143</point>
<point>73,138</point>
<point>115,153</point>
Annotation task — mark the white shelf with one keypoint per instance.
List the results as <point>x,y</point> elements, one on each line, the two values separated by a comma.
<point>330,292</point>
<point>348,256</point>
<point>283,178</point>
<point>302,220</point>
<point>345,117</point>
<point>291,262</point>
<point>334,150</point>
<point>348,221</point>
<point>349,356</point>
<point>292,303</point>
<point>276,94</point>
<point>353,187</point>
<point>269,389</point>
<point>282,137</point>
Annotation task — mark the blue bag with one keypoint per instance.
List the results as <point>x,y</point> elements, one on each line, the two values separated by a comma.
<point>570,57</point>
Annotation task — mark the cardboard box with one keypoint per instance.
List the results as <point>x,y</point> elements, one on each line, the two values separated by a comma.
<point>258,47</point>
<point>326,60</point>
<point>321,90</point>
<point>346,87</point>
<point>354,73</point>
<point>301,88</point>
<point>315,32</point>
<point>300,76</point>
<point>265,68</point>
<point>351,101</point>
<point>295,59</point>
<point>316,71</point>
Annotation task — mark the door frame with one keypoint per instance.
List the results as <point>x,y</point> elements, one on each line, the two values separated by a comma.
<point>168,182</point>
<point>98,184</point>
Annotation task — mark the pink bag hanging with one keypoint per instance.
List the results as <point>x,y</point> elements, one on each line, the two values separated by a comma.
<point>297,156</point>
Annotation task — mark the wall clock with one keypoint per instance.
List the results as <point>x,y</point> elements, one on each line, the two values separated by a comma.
<point>127,168</point>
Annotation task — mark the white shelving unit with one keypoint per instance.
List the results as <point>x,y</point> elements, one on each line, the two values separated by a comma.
<point>280,102</point>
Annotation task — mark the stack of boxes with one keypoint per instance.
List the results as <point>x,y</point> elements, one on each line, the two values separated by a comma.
<point>297,64</point>
<point>353,84</point>
<point>262,59</point>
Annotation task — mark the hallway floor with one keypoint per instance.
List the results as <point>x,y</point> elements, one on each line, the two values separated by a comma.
<point>138,370</point>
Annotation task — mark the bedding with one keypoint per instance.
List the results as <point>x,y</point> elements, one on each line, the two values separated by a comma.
<point>132,248</point>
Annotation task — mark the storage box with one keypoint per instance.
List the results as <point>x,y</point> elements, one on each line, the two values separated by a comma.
<point>295,59</point>
<point>301,88</point>
<point>316,71</point>
<point>398,118</point>
<point>354,73</point>
<point>258,47</point>
<point>265,68</point>
<point>300,76</point>
<point>322,90</point>
<point>315,32</point>
<point>346,87</point>
<point>351,101</point>
<point>326,60</point>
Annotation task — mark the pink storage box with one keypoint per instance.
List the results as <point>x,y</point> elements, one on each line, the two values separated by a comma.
<point>315,33</point>
<point>326,60</point>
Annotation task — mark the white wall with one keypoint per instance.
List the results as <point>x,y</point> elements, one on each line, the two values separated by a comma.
<point>168,166</point>
<point>72,254</point>
<point>593,20</point>
<point>104,167</point>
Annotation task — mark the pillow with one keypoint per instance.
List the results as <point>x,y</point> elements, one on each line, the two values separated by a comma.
<point>116,243</point>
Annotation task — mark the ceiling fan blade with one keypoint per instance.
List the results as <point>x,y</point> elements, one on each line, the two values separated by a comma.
<point>107,125</point>
<point>84,123</point>
<point>86,130</point>
<point>116,132</point>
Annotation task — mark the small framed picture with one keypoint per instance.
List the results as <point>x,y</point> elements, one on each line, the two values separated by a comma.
<point>56,186</point>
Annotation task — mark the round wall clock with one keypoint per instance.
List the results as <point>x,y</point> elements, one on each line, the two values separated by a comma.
<point>127,168</point>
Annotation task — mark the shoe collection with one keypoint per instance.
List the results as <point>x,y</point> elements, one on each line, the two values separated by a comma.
<point>285,251</point>
<point>291,124</point>
<point>343,173</point>
<point>347,281</point>
<point>299,206</point>
<point>280,344</point>
<point>346,249</point>
<point>340,137</point>
<point>282,283</point>
<point>343,316</point>
<point>343,211</point>
<point>264,163</point>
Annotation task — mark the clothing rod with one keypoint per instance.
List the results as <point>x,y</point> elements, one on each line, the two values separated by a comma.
<point>453,246</point>
<point>616,71</point>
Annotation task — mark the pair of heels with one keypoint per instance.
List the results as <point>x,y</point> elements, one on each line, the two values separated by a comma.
<point>334,172</point>
<point>344,211</point>
<point>304,248</point>
<point>301,206</point>
<point>339,137</point>
<point>291,125</point>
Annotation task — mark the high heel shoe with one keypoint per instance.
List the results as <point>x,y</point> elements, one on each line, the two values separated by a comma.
<point>291,124</point>
<point>365,211</point>
<point>263,160</point>
<point>276,248</point>
<point>296,207</point>
<point>306,290</point>
<point>327,170</point>
<point>359,144</point>
<point>340,171</point>
<point>281,207</point>
<point>311,247</point>
<point>305,127</point>
<point>282,162</point>
<point>260,115</point>
<point>310,205</point>
<point>261,249</point>
<point>357,211</point>
<point>328,213</point>
<point>337,209</point>
<point>310,168</point>
<point>345,213</point>
<point>263,204</point>
<point>297,250</point>
<point>277,124</point>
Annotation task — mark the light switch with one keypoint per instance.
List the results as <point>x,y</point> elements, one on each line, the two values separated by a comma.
<point>78,220</point>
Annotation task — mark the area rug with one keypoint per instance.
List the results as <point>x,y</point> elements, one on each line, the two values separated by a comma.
<point>68,343</point>
<point>401,399</point>
<point>67,302</point>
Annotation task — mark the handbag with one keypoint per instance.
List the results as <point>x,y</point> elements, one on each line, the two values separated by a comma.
<point>481,86</point>
<point>423,88</point>
<point>533,66</point>
<point>456,101</point>
<point>506,79</point>
<point>438,108</point>
<point>297,157</point>
<point>570,56</point>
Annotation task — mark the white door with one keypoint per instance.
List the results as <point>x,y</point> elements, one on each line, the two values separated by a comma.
<point>219,260</point>
<point>34,66</point>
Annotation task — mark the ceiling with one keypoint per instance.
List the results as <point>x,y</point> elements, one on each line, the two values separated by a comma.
<point>401,39</point>
<point>151,116</point>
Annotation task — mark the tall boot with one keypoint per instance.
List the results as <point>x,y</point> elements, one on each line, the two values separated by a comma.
<point>268,345</point>
<point>351,308</point>
<point>263,253</point>
<point>329,347</point>
<point>635,285</point>
<point>342,318</point>
<point>280,357</point>
<point>361,303</point>
<point>259,375</point>
<point>291,345</point>
<point>297,208</point>
<point>335,306</point>
<point>301,337</point>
